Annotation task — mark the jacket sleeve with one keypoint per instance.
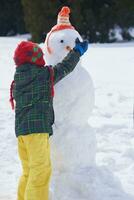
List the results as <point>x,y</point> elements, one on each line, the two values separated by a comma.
<point>66,66</point>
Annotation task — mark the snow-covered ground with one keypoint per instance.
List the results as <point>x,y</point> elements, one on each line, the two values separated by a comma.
<point>111,67</point>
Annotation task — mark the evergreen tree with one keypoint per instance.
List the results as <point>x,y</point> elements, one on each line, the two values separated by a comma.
<point>125,16</point>
<point>11,17</point>
<point>92,18</point>
<point>98,17</point>
<point>40,16</point>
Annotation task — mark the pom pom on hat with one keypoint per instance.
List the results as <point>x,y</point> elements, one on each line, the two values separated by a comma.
<point>62,23</point>
<point>28,52</point>
<point>65,11</point>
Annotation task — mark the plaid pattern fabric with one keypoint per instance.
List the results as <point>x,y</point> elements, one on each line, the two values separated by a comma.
<point>32,92</point>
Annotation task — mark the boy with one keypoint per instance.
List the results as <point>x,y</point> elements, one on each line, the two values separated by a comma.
<point>33,91</point>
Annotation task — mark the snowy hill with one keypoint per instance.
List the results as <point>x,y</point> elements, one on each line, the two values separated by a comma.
<point>111,68</point>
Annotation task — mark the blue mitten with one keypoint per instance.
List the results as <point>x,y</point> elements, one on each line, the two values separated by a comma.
<point>81,47</point>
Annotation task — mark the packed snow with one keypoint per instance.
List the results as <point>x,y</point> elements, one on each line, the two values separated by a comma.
<point>73,103</point>
<point>112,177</point>
<point>68,93</point>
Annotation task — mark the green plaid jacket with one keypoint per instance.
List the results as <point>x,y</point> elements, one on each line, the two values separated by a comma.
<point>32,92</point>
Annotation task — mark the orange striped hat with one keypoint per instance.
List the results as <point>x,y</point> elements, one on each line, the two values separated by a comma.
<point>62,23</point>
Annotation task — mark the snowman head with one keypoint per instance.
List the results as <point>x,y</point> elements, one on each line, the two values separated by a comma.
<point>61,39</point>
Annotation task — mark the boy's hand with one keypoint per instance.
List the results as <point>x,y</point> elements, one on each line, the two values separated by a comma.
<point>81,47</point>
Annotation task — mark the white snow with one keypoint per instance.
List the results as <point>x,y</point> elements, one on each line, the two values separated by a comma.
<point>131,31</point>
<point>116,33</point>
<point>112,178</point>
<point>73,103</point>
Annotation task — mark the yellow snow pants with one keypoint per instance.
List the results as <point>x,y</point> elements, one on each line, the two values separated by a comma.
<point>34,153</point>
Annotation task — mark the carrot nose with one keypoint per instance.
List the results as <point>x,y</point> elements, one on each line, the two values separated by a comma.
<point>68,48</point>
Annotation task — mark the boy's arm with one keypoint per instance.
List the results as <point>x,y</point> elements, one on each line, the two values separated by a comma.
<point>66,66</point>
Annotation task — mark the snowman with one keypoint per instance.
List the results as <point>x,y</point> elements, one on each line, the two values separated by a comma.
<point>73,142</point>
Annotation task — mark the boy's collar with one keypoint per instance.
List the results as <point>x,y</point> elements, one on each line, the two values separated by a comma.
<point>25,67</point>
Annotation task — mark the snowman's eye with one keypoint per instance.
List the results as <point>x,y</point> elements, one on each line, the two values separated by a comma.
<point>62,41</point>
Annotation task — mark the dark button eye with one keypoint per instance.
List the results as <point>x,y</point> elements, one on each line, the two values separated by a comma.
<point>62,41</point>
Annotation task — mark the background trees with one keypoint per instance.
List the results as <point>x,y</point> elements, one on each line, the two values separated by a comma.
<point>40,16</point>
<point>11,17</point>
<point>94,19</point>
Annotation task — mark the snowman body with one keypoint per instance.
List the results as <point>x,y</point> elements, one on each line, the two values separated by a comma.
<point>73,142</point>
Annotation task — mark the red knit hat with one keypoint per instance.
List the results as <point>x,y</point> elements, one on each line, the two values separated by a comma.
<point>28,52</point>
<point>62,23</point>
